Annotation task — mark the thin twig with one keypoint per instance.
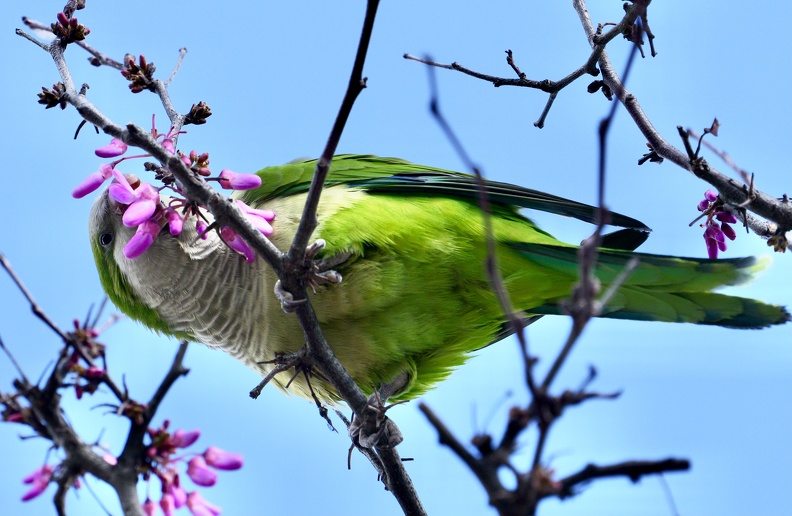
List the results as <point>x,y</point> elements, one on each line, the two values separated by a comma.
<point>98,57</point>
<point>764,205</point>
<point>723,155</point>
<point>357,83</point>
<point>13,361</point>
<point>546,85</point>
<point>515,320</point>
<point>182,53</point>
<point>34,307</point>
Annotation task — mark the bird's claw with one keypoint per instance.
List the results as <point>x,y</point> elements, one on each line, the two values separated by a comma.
<point>287,301</point>
<point>321,272</point>
<point>376,430</point>
<point>312,250</point>
<point>318,279</point>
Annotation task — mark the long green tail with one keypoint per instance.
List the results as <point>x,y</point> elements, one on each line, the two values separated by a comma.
<point>665,288</point>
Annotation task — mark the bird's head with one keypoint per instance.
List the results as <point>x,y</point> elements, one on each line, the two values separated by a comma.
<point>133,284</point>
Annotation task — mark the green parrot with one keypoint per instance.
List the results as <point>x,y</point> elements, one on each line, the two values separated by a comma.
<point>415,302</point>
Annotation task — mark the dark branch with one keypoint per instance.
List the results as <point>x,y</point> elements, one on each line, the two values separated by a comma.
<point>633,470</point>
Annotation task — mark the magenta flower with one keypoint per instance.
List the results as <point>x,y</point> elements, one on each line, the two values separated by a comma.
<point>728,231</point>
<point>236,181</point>
<point>169,146</point>
<point>715,240</point>
<point>200,507</point>
<point>725,216</point>
<point>142,207</point>
<point>93,181</point>
<point>184,438</point>
<point>114,149</point>
<point>179,494</point>
<point>200,228</point>
<point>149,507</point>
<point>259,218</point>
<point>236,243</point>
<point>39,479</point>
<point>163,464</point>
<point>142,200</point>
<point>175,221</point>
<point>221,459</point>
<point>143,238</point>
<point>199,473</point>
<point>94,372</point>
<point>715,235</point>
<point>167,504</point>
<point>13,417</point>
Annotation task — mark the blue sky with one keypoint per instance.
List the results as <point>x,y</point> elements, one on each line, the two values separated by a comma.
<point>274,74</point>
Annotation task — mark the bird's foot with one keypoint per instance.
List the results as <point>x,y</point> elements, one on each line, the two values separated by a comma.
<point>319,279</point>
<point>321,272</point>
<point>287,301</point>
<point>313,249</point>
<point>300,362</point>
<point>374,428</point>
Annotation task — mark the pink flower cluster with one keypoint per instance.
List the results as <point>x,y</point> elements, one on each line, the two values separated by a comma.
<point>38,480</point>
<point>87,376</point>
<point>144,209</point>
<point>162,463</point>
<point>716,228</point>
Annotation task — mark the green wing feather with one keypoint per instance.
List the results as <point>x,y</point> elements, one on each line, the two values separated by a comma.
<point>661,288</point>
<point>378,175</point>
<point>664,288</point>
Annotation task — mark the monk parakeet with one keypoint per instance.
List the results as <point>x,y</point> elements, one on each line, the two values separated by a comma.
<point>415,301</point>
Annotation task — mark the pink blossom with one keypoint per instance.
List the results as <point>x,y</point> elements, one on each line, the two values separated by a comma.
<point>94,372</point>
<point>13,417</point>
<point>93,181</point>
<point>259,218</point>
<point>200,507</point>
<point>142,239</point>
<point>221,459</point>
<point>725,216</point>
<point>184,438</point>
<point>167,504</point>
<point>40,480</point>
<point>200,228</point>
<point>236,243</point>
<point>168,144</point>
<point>728,231</point>
<point>715,234</point>
<point>142,200</point>
<point>149,507</point>
<point>115,148</point>
<point>236,181</point>
<point>715,241</point>
<point>175,222</point>
<point>179,495</point>
<point>199,473</point>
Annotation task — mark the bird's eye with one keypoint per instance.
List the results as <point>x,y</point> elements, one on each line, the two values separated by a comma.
<point>105,239</point>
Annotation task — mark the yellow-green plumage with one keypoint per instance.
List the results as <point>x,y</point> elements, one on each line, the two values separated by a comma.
<point>414,296</point>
